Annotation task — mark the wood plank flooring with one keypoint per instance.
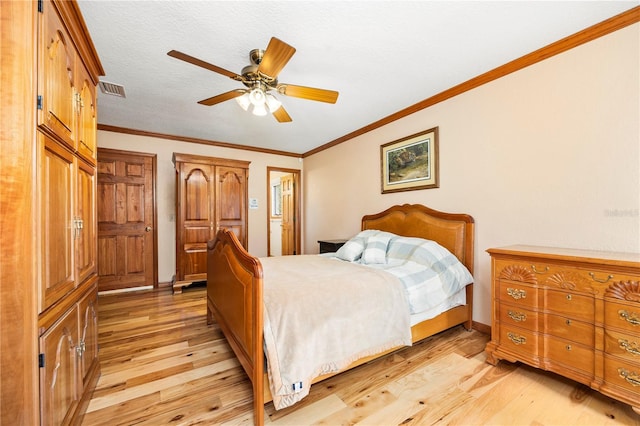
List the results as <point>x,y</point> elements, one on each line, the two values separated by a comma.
<point>162,365</point>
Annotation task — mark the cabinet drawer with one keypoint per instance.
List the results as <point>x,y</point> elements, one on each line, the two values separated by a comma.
<point>571,354</point>
<point>622,316</point>
<point>622,374</point>
<point>515,339</point>
<point>622,345</point>
<point>570,304</point>
<point>568,328</point>
<point>516,316</point>
<point>518,294</point>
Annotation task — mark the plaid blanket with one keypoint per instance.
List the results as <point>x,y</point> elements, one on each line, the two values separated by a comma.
<point>428,272</point>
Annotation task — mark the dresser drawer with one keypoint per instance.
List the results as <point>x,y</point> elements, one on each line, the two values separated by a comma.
<point>622,345</point>
<point>570,304</point>
<point>517,316</point>
<point>622,374</point>
<point>519,340</point>
<point>570,329</point>
<point>622,316</point>
<point>570,354</point>
<point>518,294</point>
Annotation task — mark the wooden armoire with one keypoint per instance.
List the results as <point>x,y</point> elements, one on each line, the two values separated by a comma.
<point>48,302</point>
<point>211,193</point>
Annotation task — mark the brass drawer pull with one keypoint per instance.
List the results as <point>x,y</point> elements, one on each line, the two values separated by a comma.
<point>630,376</point>
<point>593,277</point>
<point>516,294</point>
<point>568,347</point>
<point>533,268</point>
<point>516,339</point>
<point>632,347</point>
<point>631,318</point>
<point>517,316</point>
<point>569,297</point>
<point>568,322</point>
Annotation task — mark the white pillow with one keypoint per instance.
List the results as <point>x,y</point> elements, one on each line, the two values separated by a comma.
<point>375,250</point>
<point>352,249</point>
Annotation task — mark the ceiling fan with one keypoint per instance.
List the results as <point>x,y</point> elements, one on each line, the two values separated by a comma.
<point>260,79</point>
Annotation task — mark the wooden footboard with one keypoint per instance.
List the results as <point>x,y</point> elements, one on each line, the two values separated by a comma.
<point>235,280</point>
<point>234,300</point>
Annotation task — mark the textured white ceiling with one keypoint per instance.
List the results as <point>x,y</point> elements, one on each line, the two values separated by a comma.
<point>382,56</point>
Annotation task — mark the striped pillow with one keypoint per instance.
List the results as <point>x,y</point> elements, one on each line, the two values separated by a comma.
<point>376,249</point>
<point>352,249</point>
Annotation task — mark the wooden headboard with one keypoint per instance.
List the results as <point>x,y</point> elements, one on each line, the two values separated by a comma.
<point>454,231</point>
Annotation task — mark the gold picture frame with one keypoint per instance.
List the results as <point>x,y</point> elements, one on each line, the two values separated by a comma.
<point>410,163</point>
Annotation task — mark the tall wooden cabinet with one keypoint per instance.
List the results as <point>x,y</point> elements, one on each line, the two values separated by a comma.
<point>573,312</point>
<point>49,323</point>
<point>211,193</point>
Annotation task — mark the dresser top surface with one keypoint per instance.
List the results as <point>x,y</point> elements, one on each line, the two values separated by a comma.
<point>569,254</point>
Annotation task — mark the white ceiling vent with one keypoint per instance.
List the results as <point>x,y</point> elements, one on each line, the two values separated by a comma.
<point>111,89</point>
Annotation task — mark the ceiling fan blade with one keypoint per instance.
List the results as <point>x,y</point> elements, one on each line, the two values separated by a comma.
<point>281,115</point>
<point>222,97</point>
<point>275,57</point>
<point>203,64</point>
<point>311,93</point>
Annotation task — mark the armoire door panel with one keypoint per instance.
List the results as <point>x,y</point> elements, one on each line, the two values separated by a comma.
<point>87,117</point>
<point>125,220</point>
<point>88,331</point>
<point>231,200</point>
<point>231,183</point>
<point>56,182</point>
<point>58,379</point>
<point>198,190</point>
<point>56,82</point>
<point>85,238</point>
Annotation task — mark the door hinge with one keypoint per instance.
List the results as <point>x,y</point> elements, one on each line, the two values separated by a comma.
<point>41,360</point>
<point>39,102</point>
<point>40,6</point>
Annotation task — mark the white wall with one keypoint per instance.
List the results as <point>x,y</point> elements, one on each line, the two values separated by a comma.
<point>548,155</point>
<point>166,182</point>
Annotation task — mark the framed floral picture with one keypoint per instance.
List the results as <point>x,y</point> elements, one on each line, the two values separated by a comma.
<point>410,163</point>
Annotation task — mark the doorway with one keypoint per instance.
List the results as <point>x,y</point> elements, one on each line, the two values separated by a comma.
<point>127,235</point>
<point>283,212</point>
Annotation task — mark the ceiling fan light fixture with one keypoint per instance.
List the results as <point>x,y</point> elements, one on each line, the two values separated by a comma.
<point>244,101</point>
<point>257,97</point>
<point>272,102</point>
<point>260,110</point>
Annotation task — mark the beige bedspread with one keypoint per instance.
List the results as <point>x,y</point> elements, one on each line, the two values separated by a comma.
<point>322,314</point>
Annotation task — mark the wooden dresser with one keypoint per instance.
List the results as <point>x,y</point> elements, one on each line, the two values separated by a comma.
<point>573,312</point>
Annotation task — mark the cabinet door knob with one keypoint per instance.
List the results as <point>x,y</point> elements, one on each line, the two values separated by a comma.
<point>147,228</point>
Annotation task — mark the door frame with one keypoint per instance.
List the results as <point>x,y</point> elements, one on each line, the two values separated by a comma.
<point>154,183</point>
<point>297,210</point>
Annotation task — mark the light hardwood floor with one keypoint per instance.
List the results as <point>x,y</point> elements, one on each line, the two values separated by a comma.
<point>162,365</point>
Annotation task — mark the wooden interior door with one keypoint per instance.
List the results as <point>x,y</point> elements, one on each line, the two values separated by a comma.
<point>287,184</point>
<point>127,233</point>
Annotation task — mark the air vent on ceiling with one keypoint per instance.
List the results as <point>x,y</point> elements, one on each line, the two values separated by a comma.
<point>111,89</point>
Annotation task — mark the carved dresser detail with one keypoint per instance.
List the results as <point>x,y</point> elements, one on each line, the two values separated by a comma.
<point>573,312</point>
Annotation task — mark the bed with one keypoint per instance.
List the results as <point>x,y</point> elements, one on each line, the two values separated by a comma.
<point>236,278</point>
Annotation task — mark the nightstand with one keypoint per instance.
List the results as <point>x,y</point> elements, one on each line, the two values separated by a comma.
<point>330,246</point>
